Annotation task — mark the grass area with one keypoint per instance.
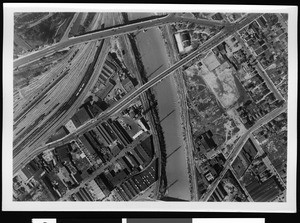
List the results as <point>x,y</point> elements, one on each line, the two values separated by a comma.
<point>242,92</point>
<point>75,28</point>
<point>42,33</point>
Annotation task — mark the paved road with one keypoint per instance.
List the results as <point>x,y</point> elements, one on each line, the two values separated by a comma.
<point>227,31</point>
<point>100,35</point>
<point>238,147</point>
<point>66,34</point>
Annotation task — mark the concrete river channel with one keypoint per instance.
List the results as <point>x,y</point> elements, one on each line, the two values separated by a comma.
<point>155,59</point>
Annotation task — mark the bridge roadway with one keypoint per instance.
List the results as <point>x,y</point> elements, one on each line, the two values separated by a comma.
<point>238,147</point>
<point>227,31</point>
<point>101,34</point>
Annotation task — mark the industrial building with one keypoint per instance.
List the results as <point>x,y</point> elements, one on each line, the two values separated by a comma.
<point>265,191</point>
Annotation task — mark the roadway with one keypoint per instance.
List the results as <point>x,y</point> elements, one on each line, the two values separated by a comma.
<point>238,147</point>
<point>124,102</point>
<point>66,34</point>
<point>128,28</point>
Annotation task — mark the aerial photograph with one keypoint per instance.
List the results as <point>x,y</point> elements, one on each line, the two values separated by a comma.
<point>150,106</point>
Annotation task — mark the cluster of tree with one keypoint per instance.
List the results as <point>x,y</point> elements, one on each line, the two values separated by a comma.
<point>25,18</point>
<point>43,33</point>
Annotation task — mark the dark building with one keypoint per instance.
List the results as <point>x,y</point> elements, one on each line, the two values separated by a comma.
<point>109,86</point>
<point>249,151</point>
<point>102,186</point>
<point>115,150</point>
<point>120,132</point>
<point>80,117</point>
<point>217,163</point>
<point>94,109</point>
<point>128,163</point>
<point>77,177</point>
<point>107,71</point>
<point>46,180</point>
<point>217,16</point>
<point>32,169</point>
<point>266,191</point>
<point>141,153</point>
<point>262,22</point>
<point>219,193</point>
<point>63,152</point>
<point>127,84</point>
<point>87,145</point>
<point>95,145</point>
<point>132,189</point>
<point>133,160</point>
<point>185,36</point>
<point>133,184</point>
<point>117,178</point>
<point>127,191</point>
<point>143,120</point>
<point>91,139</point>
<point>244,158</point>
<point>106,182</point>
<point>166,198</point>
<point>206,142</point>
<point>148,147</point>
<point>104,134</point>
<point>124,165</point>
<point>79,196</point>
<point>137,158</point>
<point>85,194</point>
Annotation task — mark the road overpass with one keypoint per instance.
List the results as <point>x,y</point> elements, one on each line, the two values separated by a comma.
<point>101,34</point>
<point>21,159</point>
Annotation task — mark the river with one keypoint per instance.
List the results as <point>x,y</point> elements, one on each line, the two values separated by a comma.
<point>155,60</point>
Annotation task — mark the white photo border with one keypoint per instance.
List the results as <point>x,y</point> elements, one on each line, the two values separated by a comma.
<point>7,76</point>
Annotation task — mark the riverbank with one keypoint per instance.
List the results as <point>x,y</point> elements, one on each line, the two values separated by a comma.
<point>152,106</point>
<point>181,92</point>
<point>155,60</point>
